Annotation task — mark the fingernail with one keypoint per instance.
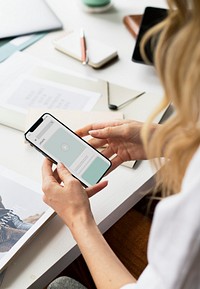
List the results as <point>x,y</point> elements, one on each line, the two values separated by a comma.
<point>60,165</point>
<point>93,131</point>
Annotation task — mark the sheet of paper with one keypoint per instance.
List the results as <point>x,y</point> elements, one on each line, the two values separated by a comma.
<point>18,43</point>
<point>31,92</point>
<point>22,68</point>
<point>23,63</point>
<point>73,119</point>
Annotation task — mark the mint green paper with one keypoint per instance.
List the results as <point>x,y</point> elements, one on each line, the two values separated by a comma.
<point>7,48</point>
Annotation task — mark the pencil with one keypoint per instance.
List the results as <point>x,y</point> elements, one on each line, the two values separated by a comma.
<point>84,56</point>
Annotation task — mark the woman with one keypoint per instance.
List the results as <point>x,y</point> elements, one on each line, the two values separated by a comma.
<point>174,245</point>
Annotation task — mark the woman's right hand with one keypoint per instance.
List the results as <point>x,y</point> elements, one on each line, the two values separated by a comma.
<point>66,195</point>
<point>121,140</point>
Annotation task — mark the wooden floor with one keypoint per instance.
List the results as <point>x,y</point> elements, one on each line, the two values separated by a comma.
<point>128,238</point>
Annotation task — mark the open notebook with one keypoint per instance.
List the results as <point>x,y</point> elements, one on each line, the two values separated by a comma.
<point>22,213</point>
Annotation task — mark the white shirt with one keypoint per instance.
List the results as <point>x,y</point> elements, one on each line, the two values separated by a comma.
<point>174,244</point>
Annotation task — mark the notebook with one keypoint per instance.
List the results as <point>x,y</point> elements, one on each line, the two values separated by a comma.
<point>23,214</point>
<point>99,53</point>
<point>20,17</point>
<point>132,22</point>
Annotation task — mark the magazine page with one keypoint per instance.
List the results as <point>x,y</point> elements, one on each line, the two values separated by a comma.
<point>22,213</point>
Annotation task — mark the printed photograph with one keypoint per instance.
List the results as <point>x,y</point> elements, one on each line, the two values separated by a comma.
<point>20,209</point>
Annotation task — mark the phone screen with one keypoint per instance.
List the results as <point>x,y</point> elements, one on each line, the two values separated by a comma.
<point>61,144</point>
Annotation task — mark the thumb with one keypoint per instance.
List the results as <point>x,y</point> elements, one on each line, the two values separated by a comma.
<point>63,173</point>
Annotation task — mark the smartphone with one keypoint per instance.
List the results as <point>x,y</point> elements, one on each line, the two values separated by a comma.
<point>60,144</point>
<point>151,17</point>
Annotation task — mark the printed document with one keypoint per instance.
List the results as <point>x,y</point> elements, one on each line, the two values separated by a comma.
<point>32,92</point>
<point>27,82</point>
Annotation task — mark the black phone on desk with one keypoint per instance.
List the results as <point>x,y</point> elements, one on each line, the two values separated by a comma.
<point>151,17</point>
<point>60,144</point>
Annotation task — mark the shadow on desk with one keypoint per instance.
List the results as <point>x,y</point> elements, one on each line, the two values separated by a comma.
<point>128,238</point>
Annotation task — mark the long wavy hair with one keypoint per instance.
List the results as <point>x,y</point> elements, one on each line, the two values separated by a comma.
<point>177,62</point>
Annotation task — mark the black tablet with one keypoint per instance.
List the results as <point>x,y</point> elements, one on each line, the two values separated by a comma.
<point>151,17</point>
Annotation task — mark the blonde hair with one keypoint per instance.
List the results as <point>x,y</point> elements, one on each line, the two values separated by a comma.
<point>177,61</point>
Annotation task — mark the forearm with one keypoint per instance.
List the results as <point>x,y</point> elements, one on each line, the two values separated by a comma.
<point>106,269</point>
<point>71,203</point>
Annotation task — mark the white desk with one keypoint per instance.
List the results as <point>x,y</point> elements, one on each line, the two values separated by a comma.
<point>53,249</point>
